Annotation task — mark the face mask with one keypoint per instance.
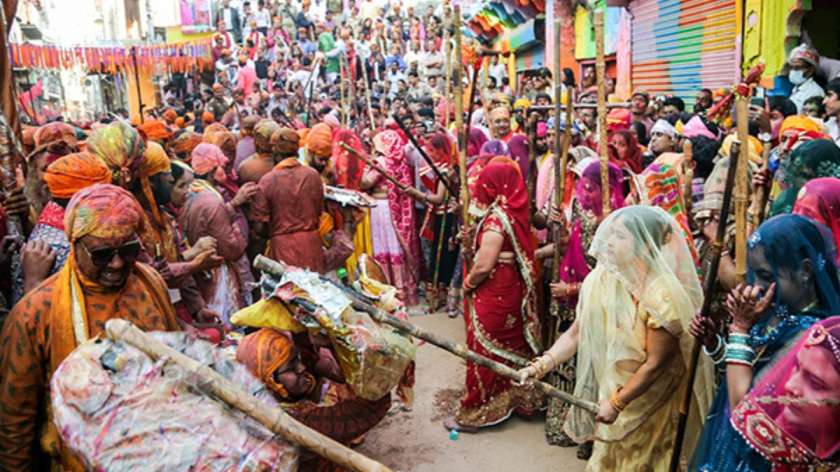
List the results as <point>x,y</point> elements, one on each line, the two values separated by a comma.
<point>796,77</point>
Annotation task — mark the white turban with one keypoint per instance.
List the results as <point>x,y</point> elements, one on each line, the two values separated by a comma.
<point>664,127</point>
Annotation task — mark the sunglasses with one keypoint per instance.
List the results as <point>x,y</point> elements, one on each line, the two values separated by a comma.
<point>128,252</point>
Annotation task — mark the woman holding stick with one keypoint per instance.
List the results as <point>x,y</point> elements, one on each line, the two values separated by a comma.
<point>631,339</point>
<point>502,323</point>
<point>586,214</point>
<point>439,224</point>
<point>395,246</point>
<point>792,284</point>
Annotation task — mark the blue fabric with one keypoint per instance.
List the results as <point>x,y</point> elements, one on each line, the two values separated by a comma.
<point>786,241</point>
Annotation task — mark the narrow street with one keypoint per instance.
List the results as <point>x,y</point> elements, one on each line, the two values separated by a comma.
<point>419,439</point>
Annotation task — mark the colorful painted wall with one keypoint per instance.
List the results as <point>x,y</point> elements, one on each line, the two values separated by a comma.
<point>772,29</point>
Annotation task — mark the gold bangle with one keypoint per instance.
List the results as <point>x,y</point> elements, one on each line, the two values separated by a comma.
<point>554,361</point>
<point>616,402</point>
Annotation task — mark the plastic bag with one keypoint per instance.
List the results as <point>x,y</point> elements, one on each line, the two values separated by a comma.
<point>117,409</point>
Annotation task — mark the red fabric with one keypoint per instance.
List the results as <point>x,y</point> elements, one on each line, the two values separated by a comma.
<point>348,168</point>
<point>52,215</point>
<point>633,158</point>
<point>502,183</point>
<point>819,200</point>
<point>401,205</point>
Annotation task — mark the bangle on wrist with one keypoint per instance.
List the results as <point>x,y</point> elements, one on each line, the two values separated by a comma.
<point>616,402</point>
<point>738,350</point>
<point>718,353</point>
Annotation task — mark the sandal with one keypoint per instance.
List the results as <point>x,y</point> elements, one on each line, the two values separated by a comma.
<point>584,451</point>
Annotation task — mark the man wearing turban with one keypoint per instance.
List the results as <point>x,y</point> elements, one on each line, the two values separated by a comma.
<point>121,148</point>
<point>100,280</point>
<point>319,146</point>
<point>255,167</point>
<point>156,130</point>
<point>50,142</point>
<point>245,148</point>
<point>64,178</point>
<point>183,145</point>
<point>292,229</point>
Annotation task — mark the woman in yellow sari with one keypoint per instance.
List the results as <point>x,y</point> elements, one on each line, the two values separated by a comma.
<point>632,342</point>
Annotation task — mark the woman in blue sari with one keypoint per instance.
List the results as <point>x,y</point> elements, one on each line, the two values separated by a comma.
<point>792,285</point>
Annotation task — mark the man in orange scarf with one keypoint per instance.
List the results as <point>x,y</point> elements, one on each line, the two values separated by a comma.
<point>101,280</point>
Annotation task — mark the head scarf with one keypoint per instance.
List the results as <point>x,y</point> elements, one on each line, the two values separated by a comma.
<point>225,140</point>
<point>170,115</point>
<point>208,158</point>
<point>781,420</point>
<point>633,158</point>
<point>806,53</point>
<point>522,104</point>
<point>184,144</point>
<point>501,188</point>
<point>493,148</point>
<point>56,139</point>
<point>319,140</point>
<point>819,200</point>
<point>155,161</point>
<point>798,124</point>
<point>755,148</point>
<point>121,148</point>
<point>475,141</point>
<point>619,119</point>
<point>518,145</point>
<point>207,117</point>
<point>249,122</point>
<point>214,128</point>
<point>156,130</point>
<point>588,209</point>
<point>439,147</point>
<point>286,142</point>
<point>103,211</point>
<point>262,135</point>
<point>392,147</point>
<point>263,352</point>
<point>348,167</point>
<point>662,187</point>
<point>644,275</point>
<point>817,158</point>
<point>664,127</point>
<point>697,127</point>
<point>73,172</point>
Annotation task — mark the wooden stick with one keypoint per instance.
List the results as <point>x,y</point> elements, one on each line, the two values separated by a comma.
<point>384,173</point>
<point>459,122</point>
<point>275,419</point>
<point>436,275</point>
<point>470,106</point>
<point>447,68</point>
<point>600,72</point>
<point>533,168</point>
<point>741,190</point>
<point>423,154</point>
<point>709,286</point>
<point>688,173</point>
<point>341,91</point>
<point>759,202</point>
<point>367,96</point>
<point>275,268</point>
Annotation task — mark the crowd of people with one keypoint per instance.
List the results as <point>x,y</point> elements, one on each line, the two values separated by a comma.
<point>596,290</point>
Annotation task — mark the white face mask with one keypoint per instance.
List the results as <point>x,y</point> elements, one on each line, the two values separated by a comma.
<point>796,77</point>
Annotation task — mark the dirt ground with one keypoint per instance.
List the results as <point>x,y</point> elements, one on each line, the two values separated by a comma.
<point>416,440</point>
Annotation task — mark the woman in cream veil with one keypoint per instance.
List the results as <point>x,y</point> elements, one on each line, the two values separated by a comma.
<point>632,343</point>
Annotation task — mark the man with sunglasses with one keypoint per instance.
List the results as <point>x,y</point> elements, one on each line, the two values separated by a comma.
<point>101,280</point>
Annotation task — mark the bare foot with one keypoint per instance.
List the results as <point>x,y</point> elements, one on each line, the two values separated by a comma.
<point>450,424</point>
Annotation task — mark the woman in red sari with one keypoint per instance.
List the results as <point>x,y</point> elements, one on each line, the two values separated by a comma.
<point>502,322</point>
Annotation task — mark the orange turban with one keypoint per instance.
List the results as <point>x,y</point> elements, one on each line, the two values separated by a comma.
<point>155,130</point>
<point>184,144</point>
<point>207,117</point>
<point>319,141</point>
<point>155,160</point>
<point>103,211</point>
<point>73,172</point>
<point>286,141</point>
<point>170,115</point>
<point>263,352</point>
<point>214,128</point>
<point>799,123</point>
<point>180,122</point>
<point>120,147</point>
<point>225,140</point>
<point>619,119</point>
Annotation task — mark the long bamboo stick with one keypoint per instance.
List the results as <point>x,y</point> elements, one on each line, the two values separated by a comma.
<point>459,122</point>
<point>741,190</point>
<point>384,173</point>
<point>447,70</point>
<point>559,181</point>
<point>275,419</point>
<point>759,202</point>
<point>423,154</point>
<point>600,72</point>
<point>275,268</point>
<point>367,97</point>
<point>709,286</point>
<point>533,168</point>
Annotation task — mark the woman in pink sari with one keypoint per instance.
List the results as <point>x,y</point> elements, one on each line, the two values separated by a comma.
<point>502,322</point>
<point>395,244</point>
<point>819,200</point>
